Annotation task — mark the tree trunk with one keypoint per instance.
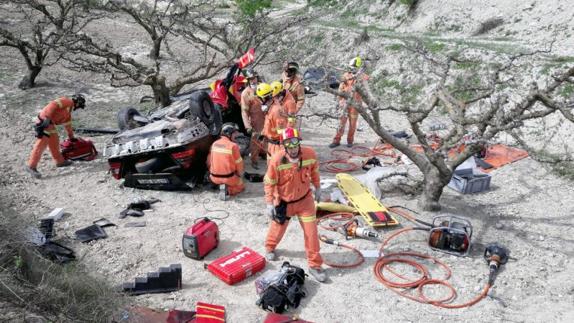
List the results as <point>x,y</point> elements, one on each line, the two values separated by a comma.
<point>160,92</point>
<point>154,52</point>
<point>29,81</point>
<point>434,183</point>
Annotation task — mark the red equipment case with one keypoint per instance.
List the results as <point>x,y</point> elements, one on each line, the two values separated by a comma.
<point>80,149</point>
<point>209,313</point>
<point>237,266</point>
<point>200,239</point>
<point>281,318</point>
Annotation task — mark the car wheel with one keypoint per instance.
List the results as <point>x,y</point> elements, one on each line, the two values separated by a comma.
<point>200,105</point>
<point>126,118</point>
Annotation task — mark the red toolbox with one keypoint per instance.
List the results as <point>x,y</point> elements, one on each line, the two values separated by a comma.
<point>209,313</point>
<point>237,266</point>
<point>79,149</point>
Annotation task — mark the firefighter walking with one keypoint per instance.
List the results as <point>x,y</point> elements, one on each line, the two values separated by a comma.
<point>225,163</point>
<point>350,114</point>
<point>290,175</point>
<point>57,112</point>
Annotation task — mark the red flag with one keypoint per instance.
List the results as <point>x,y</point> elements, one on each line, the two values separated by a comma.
<point>247,58</point>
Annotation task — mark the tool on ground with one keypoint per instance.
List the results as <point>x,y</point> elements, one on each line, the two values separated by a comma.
<point>200,239</point>
<point>136,208</point>
<point>352,230</point>
<point>369,207</point>
<point>281,290</point>
<point>78,149</point>
<point>495,255</point>
<point>450,234</point>
<point>238,265</point>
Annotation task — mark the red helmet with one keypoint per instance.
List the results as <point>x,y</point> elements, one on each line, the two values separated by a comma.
<point>290,138</point>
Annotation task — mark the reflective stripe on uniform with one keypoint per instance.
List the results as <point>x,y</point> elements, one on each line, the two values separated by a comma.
<point>59,103</point>
<point>284,166</point>
<point>239,160</point>
<point>222,150</point>
<point>269,181</point>
<point>53,131</point>
<point>307,219</point>
<point>307,162</point>
<point>67,123</point>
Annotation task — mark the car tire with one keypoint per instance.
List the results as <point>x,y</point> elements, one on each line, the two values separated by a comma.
<point>126,120</point>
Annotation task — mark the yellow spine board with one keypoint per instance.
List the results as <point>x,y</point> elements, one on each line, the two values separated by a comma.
<point>335,207</point>
<point>363,200</point>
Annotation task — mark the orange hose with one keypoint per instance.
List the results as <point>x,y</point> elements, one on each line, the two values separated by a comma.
<point>402,287</point>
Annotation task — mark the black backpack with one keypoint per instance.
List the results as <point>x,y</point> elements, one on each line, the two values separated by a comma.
<point>286,292</point>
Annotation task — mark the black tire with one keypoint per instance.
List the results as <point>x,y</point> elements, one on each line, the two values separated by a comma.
<point>126,120</point>
<point>150,166</point>
<point>200,105</point>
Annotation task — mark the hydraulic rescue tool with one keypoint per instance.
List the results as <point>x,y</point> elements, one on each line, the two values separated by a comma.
<point>495,255</point>
<point>351,229</point>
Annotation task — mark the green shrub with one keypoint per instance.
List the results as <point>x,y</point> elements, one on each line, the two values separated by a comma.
<point>251,7</point>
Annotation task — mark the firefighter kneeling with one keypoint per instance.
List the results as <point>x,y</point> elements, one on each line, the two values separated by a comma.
<point>225,163</point>
<point>290,175</point>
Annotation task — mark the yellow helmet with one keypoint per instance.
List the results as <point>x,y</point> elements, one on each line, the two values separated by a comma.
<point>264,90</point>
<point>356,62</point>
<point>277,87</point>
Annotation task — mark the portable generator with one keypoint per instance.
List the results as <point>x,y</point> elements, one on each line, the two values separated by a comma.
<point>200,239</point>
<point>79,149</point>
<point>450,234</point>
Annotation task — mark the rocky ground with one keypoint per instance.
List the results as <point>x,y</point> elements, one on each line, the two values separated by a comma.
<point>528,209</point>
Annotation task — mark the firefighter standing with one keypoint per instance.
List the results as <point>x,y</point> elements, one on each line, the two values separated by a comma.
<point>253,116</point>
<point>290,175</point>
<point>292,83</point>
<point>351,114</point>
<point>57,112</point>
<point>276,119</point>
<point>225,163</point>
<point>287,101</point>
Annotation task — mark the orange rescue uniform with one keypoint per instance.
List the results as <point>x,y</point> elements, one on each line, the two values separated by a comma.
<point>276,121</point>
<point>59,112</point>
<point>226,165</point>
<point>296,89</point>
<point>352,115</point>
<point>253,118</point>
<point>289,106</point>
<point>291,182</point>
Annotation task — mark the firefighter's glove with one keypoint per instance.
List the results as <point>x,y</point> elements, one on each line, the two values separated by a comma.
<point>270,211</point>
<point>40,127</point>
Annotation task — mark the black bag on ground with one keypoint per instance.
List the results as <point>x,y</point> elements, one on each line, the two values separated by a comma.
<point>286,292</point>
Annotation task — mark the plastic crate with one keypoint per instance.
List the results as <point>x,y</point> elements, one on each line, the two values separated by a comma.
<point>467,181</point>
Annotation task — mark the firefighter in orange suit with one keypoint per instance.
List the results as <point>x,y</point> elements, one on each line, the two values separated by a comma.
<point>292,83</point>
<point>253,116</point>
<point>225,163</point>
<point>276,119</point>
<point>57,112</point>
<point>290,176</point>
<point>287,101</point>
<point>351,114</point>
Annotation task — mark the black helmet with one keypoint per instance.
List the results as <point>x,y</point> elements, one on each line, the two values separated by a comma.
<point>228,129</point>
<point>79,101</point>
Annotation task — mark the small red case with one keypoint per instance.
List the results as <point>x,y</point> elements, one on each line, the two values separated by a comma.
<point>200,239</point>
<point>237,266</point>
<point>209,313</point>
<point>81,149</point>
